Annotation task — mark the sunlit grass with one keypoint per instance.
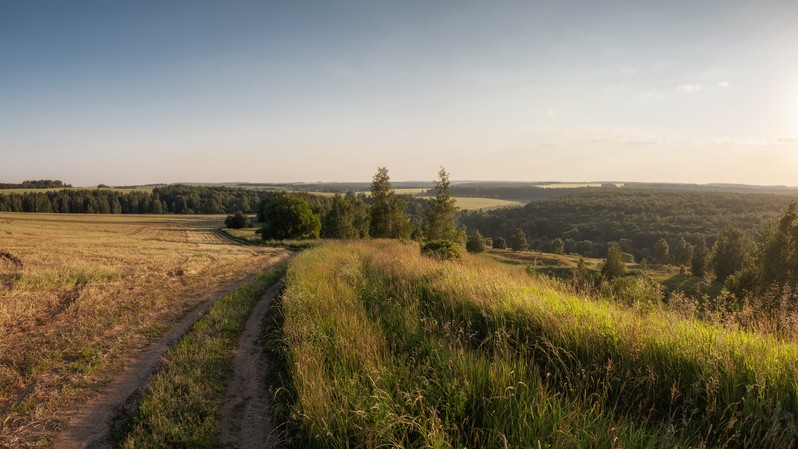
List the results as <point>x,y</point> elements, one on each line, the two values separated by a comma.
<point>384,347</point>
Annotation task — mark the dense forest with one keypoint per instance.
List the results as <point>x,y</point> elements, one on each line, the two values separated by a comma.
<point>586,220</point>
<point>527,191</point>
<point>176,199</point>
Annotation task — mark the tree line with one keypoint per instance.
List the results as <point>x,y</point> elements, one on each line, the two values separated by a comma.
<point>382,214</point>
<point>36,184</point>
<point>173,199</point>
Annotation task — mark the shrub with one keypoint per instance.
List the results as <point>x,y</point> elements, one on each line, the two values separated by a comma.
<point>475,242</point>
<point>237,221</point>
<point>500,243</point>
<point>441,250</point>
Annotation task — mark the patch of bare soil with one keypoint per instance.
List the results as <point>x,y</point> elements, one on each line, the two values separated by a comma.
<point>248,420</point>
<point>90,424</point>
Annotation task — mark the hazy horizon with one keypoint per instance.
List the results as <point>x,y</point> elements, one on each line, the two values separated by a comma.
<point>161,92</point>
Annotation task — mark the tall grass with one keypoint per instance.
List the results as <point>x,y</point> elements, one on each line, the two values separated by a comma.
<point>381,346</point>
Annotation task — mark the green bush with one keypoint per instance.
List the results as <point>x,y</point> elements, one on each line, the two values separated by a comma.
<point>441,250</point>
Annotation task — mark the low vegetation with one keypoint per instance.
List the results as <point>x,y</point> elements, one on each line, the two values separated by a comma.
<point>377,345</point>
<point>182,405</point>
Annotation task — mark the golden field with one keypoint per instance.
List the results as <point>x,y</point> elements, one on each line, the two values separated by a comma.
<point>79,293</point>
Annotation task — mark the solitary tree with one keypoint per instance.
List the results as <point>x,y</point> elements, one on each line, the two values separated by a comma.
<point>519,242</point>
<point>288,217</point>
<point>557,246</point>
<point>441,215</point>
<point>388,219</point>
<point>613,266</point>
<point>700,261</point>
<point>661,252</point>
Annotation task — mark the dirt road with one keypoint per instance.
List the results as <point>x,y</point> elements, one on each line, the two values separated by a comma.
<point>247,421</point>
<point>89,424</point>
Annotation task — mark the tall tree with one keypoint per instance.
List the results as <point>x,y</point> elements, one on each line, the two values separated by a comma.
<point>613,266</point>
<point>661,252</point>
<point>388,219</point>
<point>441,215</point>
<point>729,251</point>
<point>700,261</point>
<point>779,261</point>
<point>683,252</point>
<point>519,242</point>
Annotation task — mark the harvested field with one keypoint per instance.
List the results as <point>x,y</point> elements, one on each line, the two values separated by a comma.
<point>79,294</point>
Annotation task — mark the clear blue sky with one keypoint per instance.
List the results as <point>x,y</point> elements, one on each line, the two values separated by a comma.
<point>164,91</point>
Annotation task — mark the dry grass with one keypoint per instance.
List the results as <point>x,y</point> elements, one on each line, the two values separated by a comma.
<point>85,291</point>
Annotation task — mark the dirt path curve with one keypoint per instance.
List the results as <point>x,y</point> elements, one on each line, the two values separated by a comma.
<point>90,425</point>
<point>247,420</point>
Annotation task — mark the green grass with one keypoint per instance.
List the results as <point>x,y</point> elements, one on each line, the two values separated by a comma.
<point>378,346</point>
<point>182,405</point>
<point>249,236</point>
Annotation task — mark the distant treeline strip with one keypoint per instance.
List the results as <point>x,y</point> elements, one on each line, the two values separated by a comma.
<point>37,184</point>
<point>174,199</point>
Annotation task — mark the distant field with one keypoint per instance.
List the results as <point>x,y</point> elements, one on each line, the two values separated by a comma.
<point>464,203</point>
<point>79,293</point>
<point>574,185</point>
<point>470,203</point>
<point>138,189</point>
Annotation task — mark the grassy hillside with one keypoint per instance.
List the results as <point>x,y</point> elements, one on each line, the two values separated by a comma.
<point>377,346</point>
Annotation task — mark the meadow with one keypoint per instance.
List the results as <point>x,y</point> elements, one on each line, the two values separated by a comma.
<point>80,293</point>
<point>375,345</point>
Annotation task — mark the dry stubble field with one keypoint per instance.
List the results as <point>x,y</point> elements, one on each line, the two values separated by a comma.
<point>79,293</point>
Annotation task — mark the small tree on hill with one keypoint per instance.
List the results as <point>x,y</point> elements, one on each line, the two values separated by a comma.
<point>475,242</point>
<point>661,252</point>
<point>388,219</point>
<point>499,243</point>
<point>441,215</point>
<point>519,242</point>
<point>288,217</point>
<point>557,246</point>
<point>613,267</point>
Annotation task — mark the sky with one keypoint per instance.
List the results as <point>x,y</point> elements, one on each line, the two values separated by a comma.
<point>302,91</point>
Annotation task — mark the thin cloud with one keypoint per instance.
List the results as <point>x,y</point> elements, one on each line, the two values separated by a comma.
<point>723,84</point>
<point>689,88</point>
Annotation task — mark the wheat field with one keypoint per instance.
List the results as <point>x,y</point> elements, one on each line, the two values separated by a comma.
<point>79,293</point>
